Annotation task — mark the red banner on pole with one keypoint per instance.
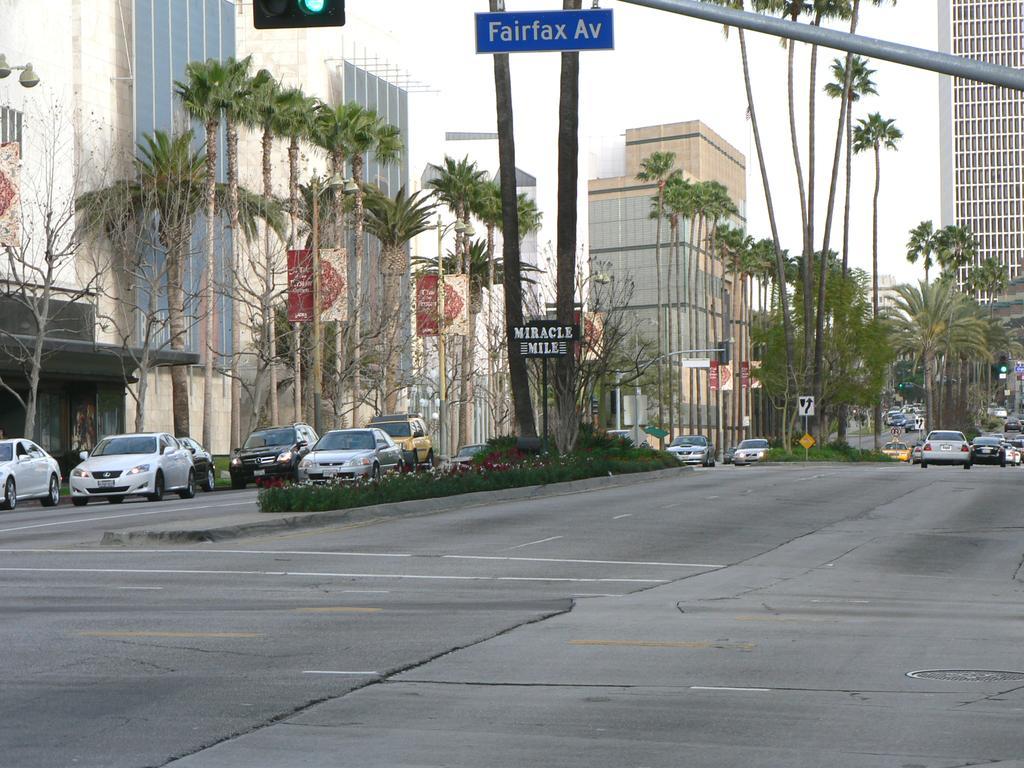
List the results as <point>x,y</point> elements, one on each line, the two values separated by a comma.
<point>745,374</point>
<point>713,376</point>
<point>300,286</point>
<point>426,305</point>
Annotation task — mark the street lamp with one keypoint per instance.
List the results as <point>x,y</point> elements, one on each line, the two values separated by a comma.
<point>318,187</point>
<point>461,228</point>
<point>28,77</point>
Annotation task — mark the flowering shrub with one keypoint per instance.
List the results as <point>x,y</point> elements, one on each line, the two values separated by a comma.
<point>503,467</point>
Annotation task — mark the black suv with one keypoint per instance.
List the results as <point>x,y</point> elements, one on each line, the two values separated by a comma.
<point>272,452</point>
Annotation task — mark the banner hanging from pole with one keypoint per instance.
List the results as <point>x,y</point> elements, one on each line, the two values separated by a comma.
<point>713,376</point>
<point>426,305</point>
<point>10,195</point>
<point>334,285</point>
<point>456,305</point>
<point>300,286</point>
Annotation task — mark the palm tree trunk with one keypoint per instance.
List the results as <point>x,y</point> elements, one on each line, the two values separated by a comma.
<point>269,327</point>
<point>512,281</point>
<point>209,298</point>
<point>679,315</point>
<point>235,289</point>
<point>659,348</point>
<point>356,317</point>
<point>874,279</point>
<point>176,321</point>
<point>341,340</point>
<point>293,207</point>
<point>394,264</point>
<point>808,247</point>
<point>671,361</point>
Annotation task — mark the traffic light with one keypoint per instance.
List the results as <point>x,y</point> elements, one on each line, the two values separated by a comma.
<point>293,14</point>
<point>1003,367</point>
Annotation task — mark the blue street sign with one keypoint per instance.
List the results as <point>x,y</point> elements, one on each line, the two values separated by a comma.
<point>520,32</point>
<point>1019,367</point>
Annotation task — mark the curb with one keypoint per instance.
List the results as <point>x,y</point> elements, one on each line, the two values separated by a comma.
<point>382,511</point>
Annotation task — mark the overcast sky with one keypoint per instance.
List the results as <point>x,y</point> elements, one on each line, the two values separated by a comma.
<point>667,68</point>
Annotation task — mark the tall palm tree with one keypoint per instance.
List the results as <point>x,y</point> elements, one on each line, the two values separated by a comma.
<point>988,279</point>
<point>923,245</point>
<point>395,221</point>
<point>658,168</point>
<point>955,249</point>
<point>679,201</point>
<point>875,133</point>
<point>204,94</point>
<point>295,116</point>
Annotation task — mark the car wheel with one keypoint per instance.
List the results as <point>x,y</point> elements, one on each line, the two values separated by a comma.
<point>967,465</point>
<point>430,458</point>
<point>52,498</point>
<point>400,467</point>
<point>237,483</point>
<point>210,481</point>
<point>115,499</point>
<point>375,473</point>
<point>158,488</point>
<point>189,491</point>
<point>924,465</point>
<point>10,500</point>
<point>79,501</point>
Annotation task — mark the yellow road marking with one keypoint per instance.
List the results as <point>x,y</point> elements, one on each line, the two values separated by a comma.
<point>171,634</point>
<point>698,644</point>
<point>338,609</point>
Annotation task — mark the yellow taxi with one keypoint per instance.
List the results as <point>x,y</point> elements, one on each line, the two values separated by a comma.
<point>898,451</point>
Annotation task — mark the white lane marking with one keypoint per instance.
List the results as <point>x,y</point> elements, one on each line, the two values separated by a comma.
<point>619,517</point>
<point>726,688</point>
<point>594,594</point>
<point>140,587</point>
<point>336,672</point>
<point>112,517</point>
<point>366,591</point>
<point>709,498</point>
<point>166,571</point>
<point>539,541</point>
<point>589,562</point>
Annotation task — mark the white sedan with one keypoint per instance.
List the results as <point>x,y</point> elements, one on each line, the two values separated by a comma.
<point>27,472</point>
<point>750,451</point>
<point>133,465</point>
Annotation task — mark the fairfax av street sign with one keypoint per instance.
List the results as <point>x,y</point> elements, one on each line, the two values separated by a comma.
<point>528,31</point>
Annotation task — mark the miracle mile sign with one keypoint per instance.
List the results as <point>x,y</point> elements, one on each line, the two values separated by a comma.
<point>543,338</point>
<point>520,32</point>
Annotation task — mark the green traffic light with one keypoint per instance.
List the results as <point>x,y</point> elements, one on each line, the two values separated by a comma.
<point>313,6</point>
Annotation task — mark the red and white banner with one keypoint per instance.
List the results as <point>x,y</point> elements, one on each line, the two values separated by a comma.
<point>725,377</point>
<point>745,374</point>
<point>300,286</point>
<point>755,383</point>
<point>593,335</point>
<point>456,305</point>
<point>713,376</point>
<point>10,195</point>
<point>334,284</point>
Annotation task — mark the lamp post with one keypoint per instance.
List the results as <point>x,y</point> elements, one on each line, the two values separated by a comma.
<point>28,77</point>
<point>318,188</point>
<point>442,367</point>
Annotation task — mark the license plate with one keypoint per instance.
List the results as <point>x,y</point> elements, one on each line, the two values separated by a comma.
<point>946,447</point>
<point>330,472</point>
<point>259,473</point>
<point>105,483</point>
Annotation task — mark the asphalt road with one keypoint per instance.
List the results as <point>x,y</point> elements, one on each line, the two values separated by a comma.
<point>763,616</point>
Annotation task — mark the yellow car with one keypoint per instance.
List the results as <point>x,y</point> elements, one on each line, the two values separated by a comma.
<point>898,451</point>
<point>410,432</point>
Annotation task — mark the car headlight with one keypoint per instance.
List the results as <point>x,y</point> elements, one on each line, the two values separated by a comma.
<point>138,470</point>
<point>359,462</point>
<point>77,472</point>
<point>285,457</point>
<point>305,464</point>
<point>236,462</point>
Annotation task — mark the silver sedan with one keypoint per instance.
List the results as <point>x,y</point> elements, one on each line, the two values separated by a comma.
<point>944,446</point>
<point>351,454</point>
<point>27,472</point>
<point>750,451</point>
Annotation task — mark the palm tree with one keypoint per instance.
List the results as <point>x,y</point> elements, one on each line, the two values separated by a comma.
<point>875,133</point>
<point>658,168</point>
<point>988,279</point>
<point>955,249</point>
<point>204,94</point>
<point>679,200</point>
<point>923,244</point>
<point>395,221</point>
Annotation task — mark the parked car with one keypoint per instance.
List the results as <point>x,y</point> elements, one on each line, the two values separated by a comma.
<point>750,451</point>
<point>274,452</point>
<point>202,462</point>
<point>898,451</point>
<point>988,450</point>
<point>465,455</point>
<point>27,472</point>
<point>1013,454</point>
<point>1012,424</point>
<point>693,449</point>
<point>410,432</point>
<point>946,447</point>
<point>143,464</point>
<point>728,454</point>
<point>351,454</point>
<point>915,453</point>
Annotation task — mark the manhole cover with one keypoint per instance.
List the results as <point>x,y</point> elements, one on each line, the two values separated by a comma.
<point>967,675</point>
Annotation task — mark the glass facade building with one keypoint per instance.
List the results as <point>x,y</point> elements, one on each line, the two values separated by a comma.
<point>982,131</point>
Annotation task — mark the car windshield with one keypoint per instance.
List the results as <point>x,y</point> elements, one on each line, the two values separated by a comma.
<point>266,437</point>
<point>5,452</point>
<point>467,451</point>
<point>396,428</point>
<point>753,444</point>
<point>120,446</point>
<point>955,436</point>
<point>690,440</point>
<point>346,441</point>
<point>894,447</point>
<point>987,441</point>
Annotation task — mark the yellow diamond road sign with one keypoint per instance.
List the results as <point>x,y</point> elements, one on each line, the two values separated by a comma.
<point>807,442</point>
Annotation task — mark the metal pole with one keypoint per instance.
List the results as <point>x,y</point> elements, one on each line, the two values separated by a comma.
<point>442,418</point>
<point>636,417</point>
<point>544,398</point>
<point>618,401</point>
<point>318,372</point>
<point>921,58</point>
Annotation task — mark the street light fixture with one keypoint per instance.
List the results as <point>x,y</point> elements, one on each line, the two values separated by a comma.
<point>460,228</point>
<point>28,77</point>
<point>318,187</point>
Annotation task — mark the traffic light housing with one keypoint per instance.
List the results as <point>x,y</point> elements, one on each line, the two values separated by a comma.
<point>295,14</point>
<point>1003,366</point>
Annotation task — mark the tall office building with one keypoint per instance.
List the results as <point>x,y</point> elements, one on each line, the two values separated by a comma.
<point>982,143</point>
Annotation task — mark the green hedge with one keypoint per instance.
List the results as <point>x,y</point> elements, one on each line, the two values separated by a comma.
<point>500,470</point>
<point>830,452</point>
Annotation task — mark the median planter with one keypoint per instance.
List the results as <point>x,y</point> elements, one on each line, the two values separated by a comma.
<point>498,470</point>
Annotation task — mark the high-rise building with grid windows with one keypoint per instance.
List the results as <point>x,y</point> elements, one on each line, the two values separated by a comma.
<point>982,131</point>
